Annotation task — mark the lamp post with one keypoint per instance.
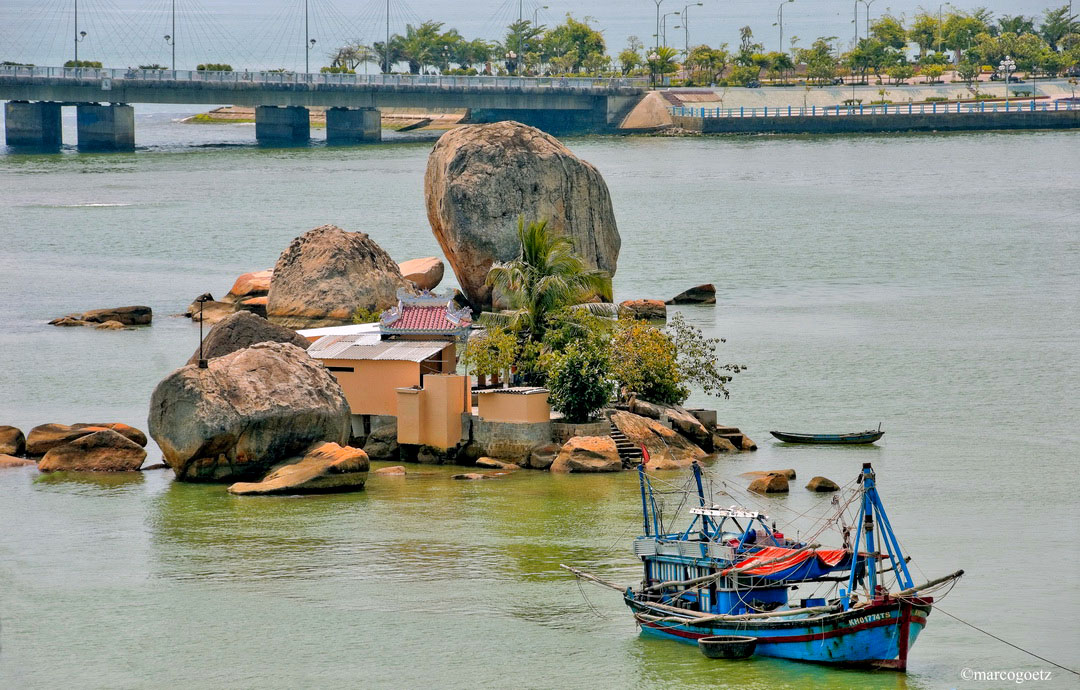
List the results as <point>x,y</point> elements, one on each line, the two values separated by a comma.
<point>663,24</point>
<point>171,38</point>
<point>868,3</point>
<point>202,299</point>
<point>657,34</point>
<point>780,23</point>
<point>309,43</point>
<point>686,26</point>
<point>511,58</point>
<point>537,11</point>
<point>80,36</point>
<point>1007,65</point>
<point>653,63</point>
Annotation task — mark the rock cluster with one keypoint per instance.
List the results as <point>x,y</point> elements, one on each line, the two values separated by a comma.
<point>644,309</point>
<point>769,484</point>
<point>115,318</point>
<point>100,451</point>
<point>481,179</point>
<point>45,437</point>
<point>248,412</point>
<point>667,449</point>
<point>326,274</point>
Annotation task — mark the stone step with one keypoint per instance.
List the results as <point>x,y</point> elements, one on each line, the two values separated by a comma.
<point>727,430</point>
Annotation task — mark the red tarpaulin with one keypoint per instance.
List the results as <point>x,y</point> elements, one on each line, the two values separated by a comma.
<point>827,558</point>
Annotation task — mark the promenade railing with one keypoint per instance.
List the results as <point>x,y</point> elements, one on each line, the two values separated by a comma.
<point>270,78</point>
<point>1012,106</point>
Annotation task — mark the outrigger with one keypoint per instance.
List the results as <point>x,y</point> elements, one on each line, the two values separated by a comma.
<point>729,573</point>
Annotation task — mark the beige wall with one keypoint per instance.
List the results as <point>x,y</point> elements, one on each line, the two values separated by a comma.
<point>432,416</point>
<point>494,406</point>
<point>371,386</point>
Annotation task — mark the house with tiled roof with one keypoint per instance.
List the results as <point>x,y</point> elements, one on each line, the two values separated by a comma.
<point>425,315</point>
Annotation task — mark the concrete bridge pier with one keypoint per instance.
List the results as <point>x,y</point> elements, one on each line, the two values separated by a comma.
<point>109,127</point>
<point>353,126</point>
<point>33,126</point>
<point>282,125</point>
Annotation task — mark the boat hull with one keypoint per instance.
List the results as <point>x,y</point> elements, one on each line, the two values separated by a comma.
<point>875,636</point>
<point>830,439</point>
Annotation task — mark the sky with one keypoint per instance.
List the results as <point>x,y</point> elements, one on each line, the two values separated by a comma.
<point>268,34</point>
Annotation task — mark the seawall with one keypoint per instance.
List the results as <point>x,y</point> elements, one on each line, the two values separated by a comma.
<point>844,124</point>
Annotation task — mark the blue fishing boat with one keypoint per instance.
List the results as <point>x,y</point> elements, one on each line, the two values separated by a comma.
<point>730,572</point>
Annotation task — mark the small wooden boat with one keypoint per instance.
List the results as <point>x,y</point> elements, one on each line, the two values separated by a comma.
<point>859,437</point>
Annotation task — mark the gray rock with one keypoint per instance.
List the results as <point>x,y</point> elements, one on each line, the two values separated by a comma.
<point>243,329</point>
<point>481,178</point>
<point>100,451</point>
<point>822,484</point>
<point>326,274</point>
<point>542,457</point>
<point>382,443</point>
<point>247,412</point>
<point>700,294</point>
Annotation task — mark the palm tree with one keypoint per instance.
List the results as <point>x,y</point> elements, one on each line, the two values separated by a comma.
<point>547,276</point>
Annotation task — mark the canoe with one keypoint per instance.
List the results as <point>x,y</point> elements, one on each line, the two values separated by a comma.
<point>860,437</point>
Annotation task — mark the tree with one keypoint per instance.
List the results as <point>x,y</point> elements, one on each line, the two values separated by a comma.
<point>819,60</point>
<point>926,31</point>
<point>629,60</point>
<point>933,73</point>
<point>573,37</point>
<point>579,380</point>
<point>1016,25</point>
<point>900,73</point>
<point>388,57</point>
<point>644,363</point>
<point>491,352</point>
<point>968,71</point>
<point>890,31</point>
<point>696,356</point>
<point>959,30</point>
<point>522,37</point>
<point>664,62</point>
<point>1057,24</point>
<point>545,277</point>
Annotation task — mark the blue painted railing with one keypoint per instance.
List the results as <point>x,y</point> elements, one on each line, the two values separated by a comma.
<point>1012,106</point>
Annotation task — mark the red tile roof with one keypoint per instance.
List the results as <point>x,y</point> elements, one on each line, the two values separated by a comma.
<point>424,319</point>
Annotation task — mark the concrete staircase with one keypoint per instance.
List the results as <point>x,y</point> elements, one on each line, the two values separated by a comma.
<point>628,450</point>
<point>731,433</point>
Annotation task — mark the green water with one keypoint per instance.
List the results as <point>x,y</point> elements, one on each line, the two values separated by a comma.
<point>926,282</point>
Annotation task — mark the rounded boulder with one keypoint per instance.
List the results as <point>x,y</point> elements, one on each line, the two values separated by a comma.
<point>481,178</point>
<point>100,451</point>
<point>326,274</point>
<point>244,329</point>
<point>246,413</point>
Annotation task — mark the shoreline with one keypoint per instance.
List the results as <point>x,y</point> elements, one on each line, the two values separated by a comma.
<point>392,118</point>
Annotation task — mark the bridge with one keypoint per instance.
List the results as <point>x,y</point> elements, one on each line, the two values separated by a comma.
<point>105,117</point>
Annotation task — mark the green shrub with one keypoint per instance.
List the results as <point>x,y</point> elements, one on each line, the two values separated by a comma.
<point>364,315</point>
<point>337,70</point>
<point>83,63</point>
<point>936,99</point>
<point>579,381</point>
<point>153,66</point>
<point>644,362</point>
<point>214,67</point>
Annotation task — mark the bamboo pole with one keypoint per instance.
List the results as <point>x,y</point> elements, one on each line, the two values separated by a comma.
<point>594,579</point>
<point>927,585</point>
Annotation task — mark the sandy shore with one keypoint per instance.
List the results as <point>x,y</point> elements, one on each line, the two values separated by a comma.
<point>392,118</point>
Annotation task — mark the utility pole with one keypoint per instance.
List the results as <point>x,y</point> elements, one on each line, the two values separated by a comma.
<point>386,46</point>
<point>173,41</point>
<point>520,15</point>
<point>657,34</point>
<point>686,27</point>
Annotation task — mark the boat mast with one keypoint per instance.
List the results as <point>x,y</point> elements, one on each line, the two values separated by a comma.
<point>644,501</point>
<point>697,478</point>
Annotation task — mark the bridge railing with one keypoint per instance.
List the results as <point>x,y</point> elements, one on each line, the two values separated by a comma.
<point>437,81</point>
<point>1016,105</point>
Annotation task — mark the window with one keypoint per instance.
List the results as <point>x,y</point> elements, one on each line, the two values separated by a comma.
<point>348,369</point>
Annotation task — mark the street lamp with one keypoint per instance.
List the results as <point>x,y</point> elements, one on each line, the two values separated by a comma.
<point>868,3</point>
<point>202,299</point>
<point>537,11</point>
<point>654,60</point>
<point>686,26</point>
<point>780,22</point>
<point>1007,65</point>
<point>511,57</point>
<point>308,43</point>
<point>171,38</point>
<point>657,34</point>
<point>663,25</point>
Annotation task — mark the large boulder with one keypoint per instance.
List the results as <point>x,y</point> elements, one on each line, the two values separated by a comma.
<point>822,485</point>
<point>699,294</point>
<point>382,443</point>
<point>100,451</point>
<point>667,449</point>
<point>243,329</point>
<point>326,274</point>
<point>249,285</point>
<point>12,441</point>
<point>769,484</point>
<point>12,461</point>
<point>425,273</point>
<point>588,454</point>
<point>45,437</point>
<point>644,309</point>
<point>325,468</point>
<point>481,178</point>
<point>247,412</point>
<point>680,419</point>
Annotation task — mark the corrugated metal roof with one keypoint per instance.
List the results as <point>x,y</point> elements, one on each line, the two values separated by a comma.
<point>348,329</point>
<point>366,347</point>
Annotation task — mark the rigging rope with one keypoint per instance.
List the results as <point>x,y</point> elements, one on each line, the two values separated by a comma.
<point>990,634</point>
